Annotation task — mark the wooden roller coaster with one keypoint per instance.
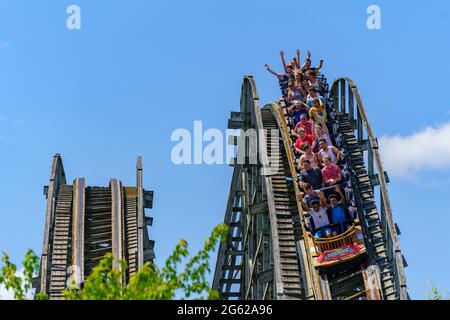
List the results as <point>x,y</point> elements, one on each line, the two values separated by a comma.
<point>85,223</point>
<point>268,253</point>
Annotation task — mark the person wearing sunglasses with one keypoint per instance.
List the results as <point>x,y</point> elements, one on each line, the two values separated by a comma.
<point>318,221</point>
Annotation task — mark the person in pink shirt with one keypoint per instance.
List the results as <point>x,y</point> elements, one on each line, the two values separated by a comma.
<point>331,173</point>
<point>305,124</point>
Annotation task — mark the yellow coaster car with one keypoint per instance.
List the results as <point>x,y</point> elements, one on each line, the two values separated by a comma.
<point>328,252</point>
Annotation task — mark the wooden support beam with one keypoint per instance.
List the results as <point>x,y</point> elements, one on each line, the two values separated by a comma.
<point>325,287</point>
<point>375,179</point>
<point>140,213</point>
<point>117,221</point>
<point>357,295</point>
<point>234,268</point>
<point>265,276</point>
<point>45,191</point>
<point>78,227</point>
<point>236,120</point>
<point>259,208</point>
<point>343,106</point>
<point>230,294</point>
<point>235,253</point>
<point>230,281</point>
<point>252,266</point>
<point>372,282</point>
<point>351,105</point>
<point>148,221</point>
<point>148,199</point>
<point>233,140</point>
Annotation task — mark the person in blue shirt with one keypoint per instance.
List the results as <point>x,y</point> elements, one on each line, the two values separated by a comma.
<point>340,216</point>
<point>298,108</point>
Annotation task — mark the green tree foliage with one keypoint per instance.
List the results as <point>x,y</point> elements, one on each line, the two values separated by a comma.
<point>435,294</point>
<point>149,283</point>
<point>20,286</point>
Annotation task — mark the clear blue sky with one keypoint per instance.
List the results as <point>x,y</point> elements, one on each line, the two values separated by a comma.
<point>139,69</point>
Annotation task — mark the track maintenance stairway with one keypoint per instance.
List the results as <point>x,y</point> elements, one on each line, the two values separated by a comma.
<point>374,234</point>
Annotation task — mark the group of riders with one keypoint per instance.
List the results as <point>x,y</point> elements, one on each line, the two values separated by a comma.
<point>323,173</point>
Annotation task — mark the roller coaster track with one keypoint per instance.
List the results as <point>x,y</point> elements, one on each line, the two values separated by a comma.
<point>266,255</point>
<point>84,223</point>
